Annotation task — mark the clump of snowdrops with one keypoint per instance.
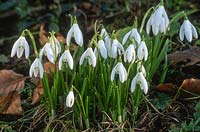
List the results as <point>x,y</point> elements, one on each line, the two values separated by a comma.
<point>107,75</point>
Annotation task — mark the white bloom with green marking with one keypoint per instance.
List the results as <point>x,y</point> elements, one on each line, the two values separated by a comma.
<point>158,21</point>
<point>70,99</point>
<point>76,33</point>
<point>142,52</point>
<point>88,55</point>
<point>47,51</point>
<point>132,34</point>
<point>187,30</point>
<point>19,47</point>
<point>117,48</point>
<point>119,69</point>
<point>66,58</point>
<point>36,69</point>
<point>102,49</point>
<point>129,54</point>
<point>139,79</point>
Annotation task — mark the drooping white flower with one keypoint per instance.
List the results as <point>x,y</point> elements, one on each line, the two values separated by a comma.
<point>139,79</point>
<point>20,46</point>
<point>117,48</point>
<point>132,34</point>
<point>119,69</point>
<point>105,36</point>
<point>140,68</point>
<point>129,54</point>
<point>76,33</point>
<point>90,56</point>
<point>36,68</point>
<point>142,52</point>
<point>159,21</point>
<point>70,99</point>
<point>102,49</point>
<point>187,30</point>
<point>47,51</point>
<point>55,45</point>
<point>66,57</point>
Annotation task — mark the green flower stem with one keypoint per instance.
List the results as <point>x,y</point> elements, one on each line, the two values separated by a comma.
<point>33,42</point>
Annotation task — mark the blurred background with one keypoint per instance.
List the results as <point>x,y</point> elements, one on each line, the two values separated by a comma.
<point>42,16</point>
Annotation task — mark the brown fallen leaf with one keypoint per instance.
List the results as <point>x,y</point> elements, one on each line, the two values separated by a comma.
<point>11,104</point>
<point>10,81</point>
<point>10,84</point>
<point>166,87</point>
<point>61,38</point>
<point>43,35</point>
<point>192,85</point>
<point>185,58</point>
<point>38,92</point>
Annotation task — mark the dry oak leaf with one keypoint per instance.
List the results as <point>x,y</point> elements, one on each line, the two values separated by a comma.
<point>10,84</point>
<point>10,81</point>
<point>11,104</point>
<point>185,58</point>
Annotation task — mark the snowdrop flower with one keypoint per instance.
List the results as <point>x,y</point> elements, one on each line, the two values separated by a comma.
<point>134,34</point>
<point>55,45</point>
<point>129,54</point>
<point>119,69</point>
<point>139,79</point>
<point>117,48</point>
<point>140,68</point>
<point>187,30</point>
<point>159,21</point>
<point>76,33</point>
<point>88,54</point>
<point>102,49</point>
<point>47,51</point>
<point>36,68</point>
<point>70,99</point>
<point>142,52</point>
<point>19,46</point>
<point>105,36</point>
<point>66,58</point>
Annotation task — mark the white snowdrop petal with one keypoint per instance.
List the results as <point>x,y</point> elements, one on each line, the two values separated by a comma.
<point>148,25</point>
<point>136,35</point>
<point>143,82</point>
<point>102,49</point>
<point>78,36</point>
<point>92,58</point>
<point>181,32</point>
<point>133,84</point>
<point>188,30</point>
<point>113,73</point>
<point>41,70</point>
<point>20,51</point>
<point>82,58</point>
<point>194,32</point>
<point>69,35</point>
<point>70,99</point>
<point>125,38</point>
<point>27,49</point>
<point>69,59</point>
<point>96,52</point>
<point>60,62</point>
